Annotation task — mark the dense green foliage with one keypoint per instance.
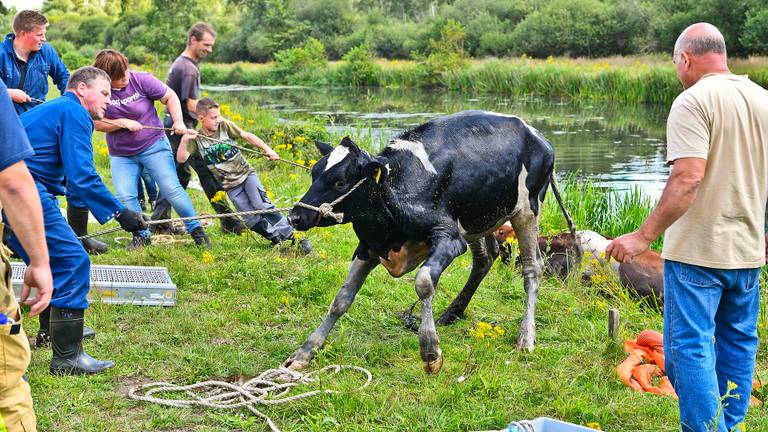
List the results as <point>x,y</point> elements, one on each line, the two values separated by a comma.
<point>257,30</point>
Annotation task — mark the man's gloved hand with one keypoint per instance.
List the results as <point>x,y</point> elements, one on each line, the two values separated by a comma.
<point>132,221</point>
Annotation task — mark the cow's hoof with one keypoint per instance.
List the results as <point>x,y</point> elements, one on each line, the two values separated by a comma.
<point>434,366</point>
<point>523,344</point>
<point>295,364</point>
<point>448,318</point>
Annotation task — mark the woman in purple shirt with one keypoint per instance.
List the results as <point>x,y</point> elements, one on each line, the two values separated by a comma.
<point>135,140</point>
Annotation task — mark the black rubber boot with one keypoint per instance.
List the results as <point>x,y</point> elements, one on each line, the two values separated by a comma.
<point>43,337</point>
<point>138,242</point>
<point>201,239</point>
<point>77,217</point>
<point>69,358</point>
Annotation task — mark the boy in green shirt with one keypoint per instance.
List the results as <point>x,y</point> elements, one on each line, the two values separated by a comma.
<point>235,174</point>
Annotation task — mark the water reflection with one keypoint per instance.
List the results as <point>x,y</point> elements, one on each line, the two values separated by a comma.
<point>617,145</point>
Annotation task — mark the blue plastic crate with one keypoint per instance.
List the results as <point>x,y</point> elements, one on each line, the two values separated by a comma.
<point>546,424</point>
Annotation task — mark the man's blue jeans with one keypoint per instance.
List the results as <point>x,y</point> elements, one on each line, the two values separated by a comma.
<point>710,339</point>
<point>158,160</point>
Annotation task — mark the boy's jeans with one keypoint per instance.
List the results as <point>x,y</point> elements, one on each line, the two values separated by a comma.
<point>158,160</point>
<point>710,339</point>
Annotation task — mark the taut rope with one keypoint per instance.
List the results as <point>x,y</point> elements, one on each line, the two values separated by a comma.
<point>325,210</point>
<point>229,143</point>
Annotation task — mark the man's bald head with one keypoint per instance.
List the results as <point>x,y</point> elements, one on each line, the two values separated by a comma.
<point>699,50</point>
<point>699,39</point>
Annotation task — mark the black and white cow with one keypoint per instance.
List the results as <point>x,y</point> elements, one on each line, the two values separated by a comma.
<point>432,191</point>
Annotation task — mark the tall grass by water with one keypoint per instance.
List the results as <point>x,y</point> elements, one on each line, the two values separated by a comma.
<point>623,79</point>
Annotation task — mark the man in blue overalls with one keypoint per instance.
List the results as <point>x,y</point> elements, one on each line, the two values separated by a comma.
<point>60,133</point>
<point>26,62</point>
<point>22,208</point>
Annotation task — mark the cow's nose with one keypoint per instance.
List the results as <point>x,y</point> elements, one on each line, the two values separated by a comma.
<point>293,219</point>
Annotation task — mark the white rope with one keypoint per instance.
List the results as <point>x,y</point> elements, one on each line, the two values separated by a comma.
<point>325,210</point>
<point>272,387</point>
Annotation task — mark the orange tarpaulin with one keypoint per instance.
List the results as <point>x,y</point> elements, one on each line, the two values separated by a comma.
<point>645,361</point>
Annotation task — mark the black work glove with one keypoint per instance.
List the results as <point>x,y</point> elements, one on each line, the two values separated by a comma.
<point>131,221</point>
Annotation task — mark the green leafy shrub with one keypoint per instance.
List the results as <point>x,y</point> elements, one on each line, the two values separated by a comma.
<point>755,34</point>
<point>447,53</point>
<point>359,68</point>
<point>304,63</point>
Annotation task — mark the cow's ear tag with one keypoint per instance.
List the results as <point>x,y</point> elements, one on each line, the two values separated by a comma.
<point>377,174</point>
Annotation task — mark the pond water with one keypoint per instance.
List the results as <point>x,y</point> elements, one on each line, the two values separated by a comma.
<point>617,146</point>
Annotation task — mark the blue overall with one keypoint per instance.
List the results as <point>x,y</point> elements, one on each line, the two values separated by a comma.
<point>40,65</point>
<point>60,134</point>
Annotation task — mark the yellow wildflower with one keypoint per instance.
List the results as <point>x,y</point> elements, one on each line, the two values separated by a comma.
<point>220,196</point>
<point>280,147</point>
<point>208,257</point>
<point>299,139</point>
<point>300,161</point>
<point>594,425</point>
<point>103,151</point>
<point>285,300</point>
<point>484,330</point>
<point>312,162</point>
<point>288,146</point>
<point>270,196</point>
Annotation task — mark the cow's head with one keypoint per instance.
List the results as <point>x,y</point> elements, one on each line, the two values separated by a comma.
<point>335,174</point>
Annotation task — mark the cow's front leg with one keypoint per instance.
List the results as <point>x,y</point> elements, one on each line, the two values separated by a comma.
<point>358,271</point>
<point>484,252</point>
<point>443,249</point>
<point>526,226</point>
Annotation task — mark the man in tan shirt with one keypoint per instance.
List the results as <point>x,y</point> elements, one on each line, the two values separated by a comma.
<point>713,211</point>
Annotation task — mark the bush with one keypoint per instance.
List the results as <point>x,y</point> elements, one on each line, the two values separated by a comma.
<point>755,34</point>
<point>303,63</point>
<point>447,52</point>
<point>575,28</point>
<point>74,60</point>
<point>359,68</point>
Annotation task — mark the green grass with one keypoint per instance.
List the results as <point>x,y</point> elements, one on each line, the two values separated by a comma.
<point>250,307</point>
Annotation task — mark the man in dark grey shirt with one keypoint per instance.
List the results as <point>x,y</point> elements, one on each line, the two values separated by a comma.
<point>184,79</point>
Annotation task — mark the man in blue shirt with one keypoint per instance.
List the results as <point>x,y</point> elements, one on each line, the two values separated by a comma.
<point>27,60</point>
<point>22,209</point>
<point>60,132</point>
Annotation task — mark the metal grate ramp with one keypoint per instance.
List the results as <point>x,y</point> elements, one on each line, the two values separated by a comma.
<point>149,286</point>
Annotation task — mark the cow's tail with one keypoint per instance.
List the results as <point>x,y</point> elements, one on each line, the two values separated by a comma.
<point>567,216</point>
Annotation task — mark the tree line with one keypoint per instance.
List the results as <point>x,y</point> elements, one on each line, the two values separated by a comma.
<point>149,31</point>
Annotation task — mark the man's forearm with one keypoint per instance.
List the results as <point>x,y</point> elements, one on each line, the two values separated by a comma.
<point>23,210</point>
<point>677,198</point>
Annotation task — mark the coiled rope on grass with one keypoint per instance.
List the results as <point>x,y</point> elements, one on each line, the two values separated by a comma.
<point>271,387</point>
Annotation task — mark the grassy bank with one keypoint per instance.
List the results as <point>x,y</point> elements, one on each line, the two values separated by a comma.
<point>622,79</point>
<point>244,307</point>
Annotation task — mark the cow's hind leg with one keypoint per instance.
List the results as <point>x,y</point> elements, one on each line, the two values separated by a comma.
<point>358,271</point>
<point>444,247</point>
<point>484,252</point>
<point>526,226</point>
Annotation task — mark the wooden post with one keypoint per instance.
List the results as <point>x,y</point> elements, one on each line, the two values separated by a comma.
<point>613,323</point>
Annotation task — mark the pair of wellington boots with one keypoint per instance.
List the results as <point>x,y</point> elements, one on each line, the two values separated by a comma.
<point>66,336</point>
<point>77,218</point>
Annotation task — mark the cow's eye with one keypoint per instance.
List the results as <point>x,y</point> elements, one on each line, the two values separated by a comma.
<point>339,184</point>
